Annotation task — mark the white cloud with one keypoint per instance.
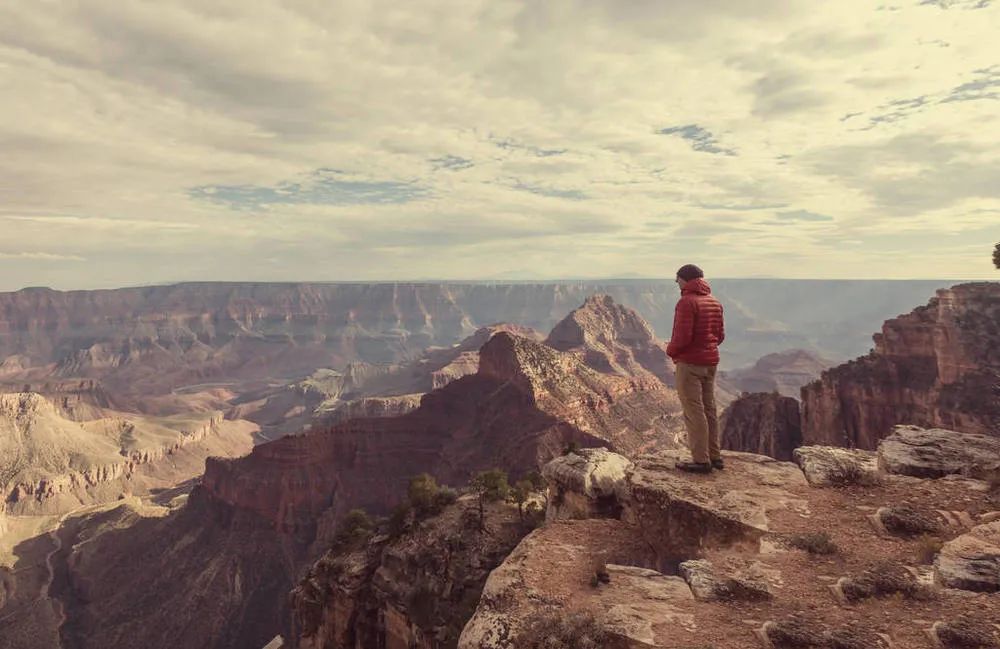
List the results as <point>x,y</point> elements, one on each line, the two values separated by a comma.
<point>363,140</point>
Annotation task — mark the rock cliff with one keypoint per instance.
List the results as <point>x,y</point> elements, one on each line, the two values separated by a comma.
<point>415,591</point>
<point>936,366</point>
<point>764,423</point>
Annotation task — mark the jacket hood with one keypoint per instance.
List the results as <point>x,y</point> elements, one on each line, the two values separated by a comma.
<point>697,286</point>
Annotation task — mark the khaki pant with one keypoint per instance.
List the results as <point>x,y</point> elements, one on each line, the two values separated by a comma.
<point>696,389</point>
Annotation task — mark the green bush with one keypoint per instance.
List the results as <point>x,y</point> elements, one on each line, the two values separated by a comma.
<point>353,531</point>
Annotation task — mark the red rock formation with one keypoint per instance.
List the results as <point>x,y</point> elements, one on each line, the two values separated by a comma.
<point>613,339</point>
<point>938,366</point>
<point>763,423</point>
<point>526,402</point>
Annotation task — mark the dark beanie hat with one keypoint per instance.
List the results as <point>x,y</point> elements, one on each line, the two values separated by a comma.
<point>688,272</point>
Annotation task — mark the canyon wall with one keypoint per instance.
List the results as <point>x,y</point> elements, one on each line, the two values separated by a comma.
<point>162,337</point>
<point>938,366</point>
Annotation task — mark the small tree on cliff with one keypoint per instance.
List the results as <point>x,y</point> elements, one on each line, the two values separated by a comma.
<point>996,255</point>
<point>354,530</point>
<point>489,486</point>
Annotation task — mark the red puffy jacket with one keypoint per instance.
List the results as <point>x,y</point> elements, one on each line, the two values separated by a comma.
<point>698,326</point>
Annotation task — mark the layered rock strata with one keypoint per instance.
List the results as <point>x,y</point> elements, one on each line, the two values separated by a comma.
<point>938,366</point>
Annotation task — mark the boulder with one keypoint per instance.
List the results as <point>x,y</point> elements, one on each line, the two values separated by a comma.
<point>588,483</point>
<point>935,452</point>
<point>827,466</point>
<point>971,561</point>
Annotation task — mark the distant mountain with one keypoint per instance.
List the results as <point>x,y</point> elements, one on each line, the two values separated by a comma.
<point>782,372</point>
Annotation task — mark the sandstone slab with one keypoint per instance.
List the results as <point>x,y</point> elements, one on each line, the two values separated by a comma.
<point>935,453</point>
<point>679,513</point>
<point>826,466</point>
<point>971,561</point>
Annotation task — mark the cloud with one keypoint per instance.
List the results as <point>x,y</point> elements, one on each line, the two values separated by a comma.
<point>321,187</point>
<point>44,256</point>
<point>802,215</point>
<point>451,163</point>
<point>436,139</point>
<point>701,139</point>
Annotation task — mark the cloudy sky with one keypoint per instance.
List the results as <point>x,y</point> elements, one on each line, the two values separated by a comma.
<point>146,142</point>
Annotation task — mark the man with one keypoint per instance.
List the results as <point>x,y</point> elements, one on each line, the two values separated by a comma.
<point>694,348</point>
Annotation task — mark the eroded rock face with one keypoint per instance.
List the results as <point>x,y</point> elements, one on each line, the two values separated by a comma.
<point>413,592</point>
<point>938,366</point>
<point>934,453</point>
<point>971,561</point>
<point>51,464</point>
<point>764,423</point>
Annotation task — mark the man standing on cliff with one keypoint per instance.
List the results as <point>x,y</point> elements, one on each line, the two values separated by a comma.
<point>694,348</point>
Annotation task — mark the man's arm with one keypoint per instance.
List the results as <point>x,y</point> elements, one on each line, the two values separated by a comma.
<point>722,324</point>
<point>683,328</point>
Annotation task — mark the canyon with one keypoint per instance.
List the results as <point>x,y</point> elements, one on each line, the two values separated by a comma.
<point>590,405</point>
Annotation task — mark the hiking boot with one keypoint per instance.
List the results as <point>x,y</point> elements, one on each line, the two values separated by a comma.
<point>718,464</point>
<point>695,467</point>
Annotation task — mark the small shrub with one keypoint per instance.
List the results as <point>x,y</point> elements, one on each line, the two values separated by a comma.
<point>399,519</point>
<point>796,632</point>
<point>854,637</point>
<point>489,486</point>
<point>552,629</point>
<point>427,497</point>
<point>905,520</point>
<point>927,548</point>
<point>353,531</point>
<point>882,579</point>
<point>849,474</point>
<point>814,543</point>
<point>967,632</point>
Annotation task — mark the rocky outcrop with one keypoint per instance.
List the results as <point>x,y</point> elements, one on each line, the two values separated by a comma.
<point>784,372</point>
<point>935,453</point>
<point>613,339</point>
<point>526,403</point>
<point>415,591</point>
<point>738,538</point>
<point>764,423</point>
<point>587,483</point>
<point>938,366</point>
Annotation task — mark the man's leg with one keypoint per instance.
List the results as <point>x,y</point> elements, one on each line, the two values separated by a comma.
<point>711,414</point>
<point>690,392</point>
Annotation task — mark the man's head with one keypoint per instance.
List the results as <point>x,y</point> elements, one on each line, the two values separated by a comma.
<point>688,272</point>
